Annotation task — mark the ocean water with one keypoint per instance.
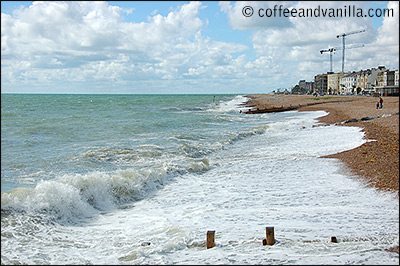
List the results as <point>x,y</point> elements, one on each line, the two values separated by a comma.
<point>140,179</point>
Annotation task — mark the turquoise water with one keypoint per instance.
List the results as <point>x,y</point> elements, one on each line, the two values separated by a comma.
<point>44,136</point>
<point>140,179</point>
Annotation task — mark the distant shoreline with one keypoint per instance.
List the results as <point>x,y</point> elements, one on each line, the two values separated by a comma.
<point>376,162</point>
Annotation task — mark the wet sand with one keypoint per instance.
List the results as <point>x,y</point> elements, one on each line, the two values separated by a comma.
<point>376,163</point>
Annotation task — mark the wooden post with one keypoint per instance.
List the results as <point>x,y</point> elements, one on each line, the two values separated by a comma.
<point>270,235</point>
<point>210,239</point>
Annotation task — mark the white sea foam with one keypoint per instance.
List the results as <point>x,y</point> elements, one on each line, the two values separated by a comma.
<point>270,174</point>
<point>73,197</point>
<point>234,105</point>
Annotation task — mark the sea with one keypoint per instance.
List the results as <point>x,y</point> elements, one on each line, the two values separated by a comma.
<point>141,179</point>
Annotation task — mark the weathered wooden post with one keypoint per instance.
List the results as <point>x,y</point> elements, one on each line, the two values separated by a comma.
<point>270,235</point>
<point>210,239</point>
<point>264,242</point>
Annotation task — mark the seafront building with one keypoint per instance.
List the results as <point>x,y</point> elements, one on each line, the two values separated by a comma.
<point>374,81</point>
<point>348,82</point>
<point>361,79</point>
<point>307,86</point>
<point>333,82</point>
<point>310,87</point>
<point>321,83</point>
<point>387,84</point>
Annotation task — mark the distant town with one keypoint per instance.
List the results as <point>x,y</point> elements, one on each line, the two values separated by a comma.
<point>375,82</point>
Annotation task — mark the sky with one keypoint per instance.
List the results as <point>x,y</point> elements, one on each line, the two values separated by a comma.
<point>174,47</point>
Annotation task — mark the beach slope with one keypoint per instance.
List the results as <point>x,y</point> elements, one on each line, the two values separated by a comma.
<point>376,162</point>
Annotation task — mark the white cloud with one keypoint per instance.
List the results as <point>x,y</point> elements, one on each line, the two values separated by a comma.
<point>295,46</point>
<point>260,19</point>
<point>91,43</point>
<point>388,33</point>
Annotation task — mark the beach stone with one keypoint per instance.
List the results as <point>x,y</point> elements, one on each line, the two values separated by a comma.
<point>365,118</point>
<point>351,120</point>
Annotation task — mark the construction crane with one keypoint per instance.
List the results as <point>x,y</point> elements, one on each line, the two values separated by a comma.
<point>330,50</point>
<point>334,49</point>
<point>343,35</point>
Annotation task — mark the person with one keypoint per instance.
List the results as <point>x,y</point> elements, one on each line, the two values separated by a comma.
<point>377,104</point>
<point>381,102</point>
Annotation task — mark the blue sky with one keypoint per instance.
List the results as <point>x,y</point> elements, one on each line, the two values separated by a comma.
<point>181,46</point>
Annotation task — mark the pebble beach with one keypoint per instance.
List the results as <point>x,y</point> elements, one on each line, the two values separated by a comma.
<point>117,185</point>
<point>376,162</point>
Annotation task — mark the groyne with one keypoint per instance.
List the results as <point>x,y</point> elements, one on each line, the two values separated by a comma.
<point>283,108</point>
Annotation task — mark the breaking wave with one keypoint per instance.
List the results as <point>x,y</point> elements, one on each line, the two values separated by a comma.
<point>72,197</point>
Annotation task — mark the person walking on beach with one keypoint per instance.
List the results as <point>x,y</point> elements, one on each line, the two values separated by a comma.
<point>381,102</point>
